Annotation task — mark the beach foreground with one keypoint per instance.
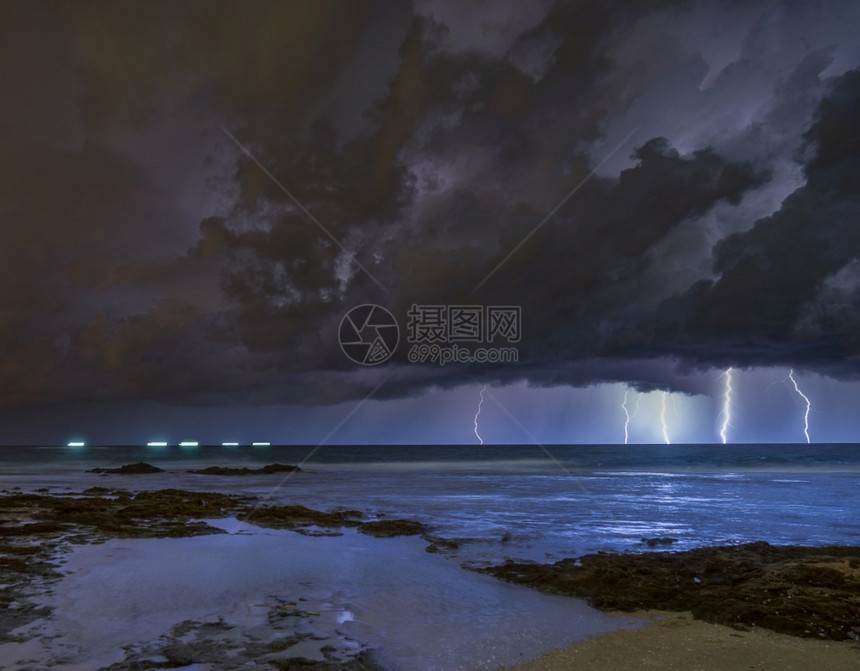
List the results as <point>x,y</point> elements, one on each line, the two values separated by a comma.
<point>91,580</point>
<point>123,581</point>
<point>679,642</point>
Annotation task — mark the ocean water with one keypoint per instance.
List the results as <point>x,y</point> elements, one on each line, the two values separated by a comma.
<point>517,501</point>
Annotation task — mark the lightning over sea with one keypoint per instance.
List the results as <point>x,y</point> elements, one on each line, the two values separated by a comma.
<point>478,412</point>
<point>626,416</point>
<point>806,401</point>
<point>664,398</point>
<point>727,406</point>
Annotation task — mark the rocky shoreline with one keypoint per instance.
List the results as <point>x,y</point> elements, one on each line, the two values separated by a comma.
<point>807,592</point>
<point>37,529</point>
<point>142,468</point>
<point>265,470</point>
<point>811,592</point>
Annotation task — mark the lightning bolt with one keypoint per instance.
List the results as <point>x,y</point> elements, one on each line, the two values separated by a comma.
<point>806,400</point>
<point>626,415</point>
<point>727,405</point>
<point>663,417</point>
<point>480,403</point>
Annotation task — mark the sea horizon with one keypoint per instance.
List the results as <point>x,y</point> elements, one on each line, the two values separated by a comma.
<point>549,501</point>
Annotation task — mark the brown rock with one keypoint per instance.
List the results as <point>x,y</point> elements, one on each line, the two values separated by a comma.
<point>130,469</point>
<point>804,591</point>
<point>166,512</point>
<point>388,528</point>
<point>269,468</point>
<point>290,517</point>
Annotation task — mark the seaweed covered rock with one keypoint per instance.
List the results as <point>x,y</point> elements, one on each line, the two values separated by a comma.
<point>804,591</point>
<point>265,470</point>
<point>139,468</point>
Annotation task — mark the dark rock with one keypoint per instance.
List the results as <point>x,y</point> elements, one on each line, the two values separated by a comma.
<point>179,654</point>
<point>19,549</point>
<point>803,591</point>
<point>129,469</point>
<point>290,517</point>
<point>388,528</point>
<point>298,518</point>
<point>166,512</point>
<point>96,491</point>
<point>32,528</point>
<point>265,470</point>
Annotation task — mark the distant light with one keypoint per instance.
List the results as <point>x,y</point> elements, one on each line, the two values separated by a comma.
<point>77,443</point>
<point>230,444</point>
<point>157,443</point>
<point>261,444</point>
<point>189,443</point>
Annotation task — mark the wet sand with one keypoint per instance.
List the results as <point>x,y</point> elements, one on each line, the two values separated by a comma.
<point>679,642</point>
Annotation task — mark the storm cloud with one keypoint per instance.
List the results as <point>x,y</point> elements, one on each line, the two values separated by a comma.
<point>145,256</point>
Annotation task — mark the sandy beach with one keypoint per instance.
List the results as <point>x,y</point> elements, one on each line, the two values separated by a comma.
<point>679,642</point>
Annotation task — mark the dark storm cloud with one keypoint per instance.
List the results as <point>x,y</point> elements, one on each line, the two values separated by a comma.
<point>71,219</point>
<point>96,227</point>
<point>430,139</point>
<point>134,61</point>
<point>787,288</point>
<point>484,150</point>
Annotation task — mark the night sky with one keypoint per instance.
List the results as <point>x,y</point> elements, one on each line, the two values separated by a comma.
<point>157,281</point>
